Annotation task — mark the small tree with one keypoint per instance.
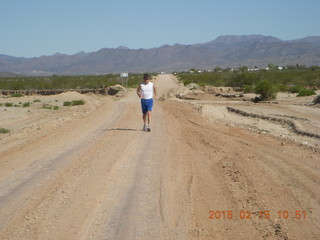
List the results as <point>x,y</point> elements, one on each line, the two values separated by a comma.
<point>243,68</point>
<point>272,66</point>
<point>267,90</point>
<point>217,69</point>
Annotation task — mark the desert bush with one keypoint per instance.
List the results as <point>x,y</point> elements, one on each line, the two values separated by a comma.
<point>74,103</point>
<point>306,92</point>
<point>67,103</point>
<point>294,89</point>
<point>26,104</point>
<point>4,130</point>
<point>302,91</point>
<point>78,102</point>
<point>46,106</point>
<point>267,90</point>
<point>7,104</point>
<point>49,107</point>
<point>248,88</point>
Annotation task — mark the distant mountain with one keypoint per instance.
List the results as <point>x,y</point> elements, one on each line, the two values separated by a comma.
<point>232,41</point>
<point>312,39</point>
<point>225,51</point>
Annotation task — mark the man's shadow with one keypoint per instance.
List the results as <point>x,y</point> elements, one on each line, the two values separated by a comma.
<point>121,129</point>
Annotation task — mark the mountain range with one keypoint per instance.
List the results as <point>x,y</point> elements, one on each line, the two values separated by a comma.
<point>224,51</point>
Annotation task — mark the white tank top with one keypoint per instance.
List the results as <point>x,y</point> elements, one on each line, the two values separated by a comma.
<point>147,90</point>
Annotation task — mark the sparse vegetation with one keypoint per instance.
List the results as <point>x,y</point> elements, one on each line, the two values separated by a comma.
<point>302,91</point>
<point>266,90</point>
<point>74,103</point>
<point>67,82</point>
<point>4,130</point>
<point>264,82</point>
<point>47,106</point>
<point>26,104</point>
<point>7,104</point>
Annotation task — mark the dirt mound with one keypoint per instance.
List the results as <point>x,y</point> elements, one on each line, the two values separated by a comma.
<point>117,90</point>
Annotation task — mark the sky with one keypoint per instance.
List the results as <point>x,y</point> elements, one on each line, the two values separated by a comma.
<point>33,28</point>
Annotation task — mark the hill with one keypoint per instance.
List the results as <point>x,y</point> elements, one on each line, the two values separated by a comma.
<point>225,51</point>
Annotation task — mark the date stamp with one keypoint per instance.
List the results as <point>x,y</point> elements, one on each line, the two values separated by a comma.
<point>283,214</point>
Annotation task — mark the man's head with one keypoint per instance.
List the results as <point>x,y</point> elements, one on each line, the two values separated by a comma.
<point>146,77</point>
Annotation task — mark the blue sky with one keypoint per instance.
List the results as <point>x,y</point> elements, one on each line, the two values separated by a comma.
<point>32,28</point>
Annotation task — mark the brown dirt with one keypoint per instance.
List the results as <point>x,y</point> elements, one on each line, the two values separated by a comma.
<point>89,172</point>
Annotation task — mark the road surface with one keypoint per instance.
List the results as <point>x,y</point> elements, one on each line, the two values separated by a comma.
<point>101,177</point>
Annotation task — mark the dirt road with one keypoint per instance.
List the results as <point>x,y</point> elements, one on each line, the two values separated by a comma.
<point>101,177</point>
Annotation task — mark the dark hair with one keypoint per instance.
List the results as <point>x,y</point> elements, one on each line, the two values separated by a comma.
<point>146,76</point>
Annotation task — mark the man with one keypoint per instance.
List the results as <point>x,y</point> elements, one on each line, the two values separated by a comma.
<point>146,91</point>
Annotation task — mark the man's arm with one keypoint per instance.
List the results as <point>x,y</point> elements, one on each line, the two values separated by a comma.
<point>155,90</point>
<point>139,91</point>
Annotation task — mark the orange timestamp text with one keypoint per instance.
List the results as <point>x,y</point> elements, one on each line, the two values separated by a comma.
<point>284,214</point>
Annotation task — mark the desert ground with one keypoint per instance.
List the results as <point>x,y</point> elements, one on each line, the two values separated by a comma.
<point>203,172</point>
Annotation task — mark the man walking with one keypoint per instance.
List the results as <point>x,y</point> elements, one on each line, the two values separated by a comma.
<point>146,91</point>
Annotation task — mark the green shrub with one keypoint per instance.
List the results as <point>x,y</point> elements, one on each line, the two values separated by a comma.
<point>283,88</point>
<point>26,104</point>
<point>37,100</point>
<point>74,103</point>
<point>267,90</point>
<point>67,103</point>
<point>55,108</point>
<point>302,91</point>
<point>4,130</point>
<point>306,92</point>
<point>77,102</point>
<point>294,89</point>
<point>248,88</point>
<point>8,104</point>
<point>46,106</point>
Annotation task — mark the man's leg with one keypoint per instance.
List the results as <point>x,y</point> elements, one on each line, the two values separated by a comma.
<point>144,114</point>
<point>149,117</point>
<point>144,117</point>
<point>149,120</point>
